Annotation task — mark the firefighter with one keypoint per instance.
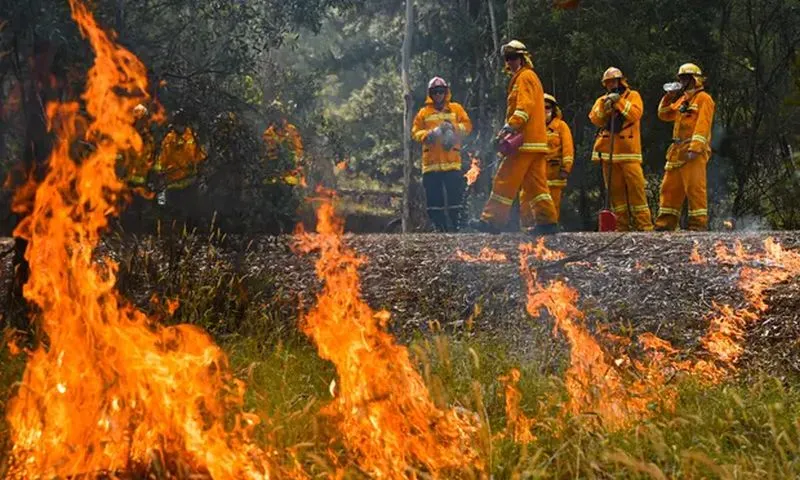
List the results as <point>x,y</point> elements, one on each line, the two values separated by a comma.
<point>137,165</point>
<point>178,158</point>
<point>283,137</point>
<point>560,150</point>
<point>440,126</point>
<point>620,111</point>
<point>691,109</point>
<point>526,168</point>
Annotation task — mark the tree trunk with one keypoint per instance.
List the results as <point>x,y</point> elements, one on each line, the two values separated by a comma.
<point>407,119</point>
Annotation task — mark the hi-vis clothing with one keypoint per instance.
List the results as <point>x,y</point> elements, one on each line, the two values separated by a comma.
<point>628,142</point>
<point>277,137</point>
<point>434,157</point>
<point>138,165</point>
<point>625,179</point>
<point>692,114</point>
<point>560,157</point>
<point>527,168</point>
<point>178,159</point>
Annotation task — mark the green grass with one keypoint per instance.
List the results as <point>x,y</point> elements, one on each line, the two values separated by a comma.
<point>728,431</point>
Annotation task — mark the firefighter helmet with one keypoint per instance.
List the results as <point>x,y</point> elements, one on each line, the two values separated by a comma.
<point>694,71</point>
<point>139,111</point>
<point>550,98</point>
<point>612,73</point>
<point>437,82</point>
<point>514,46</point>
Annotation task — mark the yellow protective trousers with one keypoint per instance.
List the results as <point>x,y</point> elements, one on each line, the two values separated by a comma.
<point>688,180</point>
<point>628,200</point>
<point>526,171</point>
<point>556,184</point>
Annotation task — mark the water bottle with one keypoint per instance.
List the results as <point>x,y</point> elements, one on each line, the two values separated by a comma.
<point>672,87</point>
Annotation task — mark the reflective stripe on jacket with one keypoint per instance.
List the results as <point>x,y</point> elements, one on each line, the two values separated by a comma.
<point>627,127</point>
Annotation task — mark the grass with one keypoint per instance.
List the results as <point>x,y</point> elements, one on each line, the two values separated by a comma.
<point>729,431</point>
<point>735,430</point>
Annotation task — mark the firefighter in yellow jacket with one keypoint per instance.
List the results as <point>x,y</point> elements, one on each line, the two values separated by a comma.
<point>619,112</point>
<point>692,110</point>
<point>440,126</point>
<point>284,135</point>
<point>526,168</point>
<point>178,157</point>
<point>137,165</point>
<point>560,152</point>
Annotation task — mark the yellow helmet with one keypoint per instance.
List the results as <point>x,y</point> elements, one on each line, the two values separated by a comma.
<point>550,98</point>
<point>514,46</point>
<point>694,71</point>
<point>611,73</point>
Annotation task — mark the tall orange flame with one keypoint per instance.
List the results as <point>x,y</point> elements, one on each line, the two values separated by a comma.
<point>385,412</point>
<point>518,425</point>
<point>109,391</point>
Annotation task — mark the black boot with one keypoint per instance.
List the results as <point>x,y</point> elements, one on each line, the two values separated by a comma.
<point>543,229</point>
<point>483,226</point>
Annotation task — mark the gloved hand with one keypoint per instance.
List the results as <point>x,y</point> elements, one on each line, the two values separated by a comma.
<point>446,126</point>
<point>507,129</point>
<point>449,140</point>
<point>613,97</point>
<point>692,155</point>
<point>563,174</point>
<point>433,135</point>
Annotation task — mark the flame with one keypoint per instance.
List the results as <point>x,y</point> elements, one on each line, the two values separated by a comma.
<point>617,391</point>
<point>486,255</point>
<point>727,326</point>
<point>474,171</point>
<point>341,166</point>
<point>108,390</point>
<point>540,251</point>
<point>695,256</point>
<point>518,425</point>
<point>385,412</point>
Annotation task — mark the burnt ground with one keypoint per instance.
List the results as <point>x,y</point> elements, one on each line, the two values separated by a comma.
<point>639,283</point>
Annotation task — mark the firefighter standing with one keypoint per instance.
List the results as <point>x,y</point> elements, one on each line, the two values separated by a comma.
<point>440,126</point>
<point>281,136</point>
<point>561,150</point>
<point>178,158</point>
<point>692,110</point>
<point>619,112</point>
<point>526,168</point>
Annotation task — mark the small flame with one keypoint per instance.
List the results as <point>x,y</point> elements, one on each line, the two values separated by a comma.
<point>486,255</point>
<point>518,425</point>
<point>695,256</point>
<point>385,412</point>
<point>540,251</point>
<point>474,171</point>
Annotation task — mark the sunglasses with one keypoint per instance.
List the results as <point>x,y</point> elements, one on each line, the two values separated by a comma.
<point>512,56</point>
<point>438,91</point>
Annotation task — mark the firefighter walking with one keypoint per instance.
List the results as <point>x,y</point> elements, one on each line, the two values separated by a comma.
<point>691,109</point>
<point>525,169</point>
<point>440,126</point>
<point>618,113</point>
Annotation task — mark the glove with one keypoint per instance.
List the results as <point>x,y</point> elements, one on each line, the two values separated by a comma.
<point>506,130</point>
<point>433,135</point>
<point>446,126</point>
<point>449,140</point>
<point>614,97</point>
<point>563,174</point>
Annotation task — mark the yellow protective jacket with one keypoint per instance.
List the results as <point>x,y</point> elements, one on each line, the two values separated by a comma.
<point>287,135</point>
<point>628,141</point>
<point>178,159</point>
<point>693,114</point>
<point>138,165</point>
<point>561,150</point>
<point>434,157</point>
<point>525,109</point>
